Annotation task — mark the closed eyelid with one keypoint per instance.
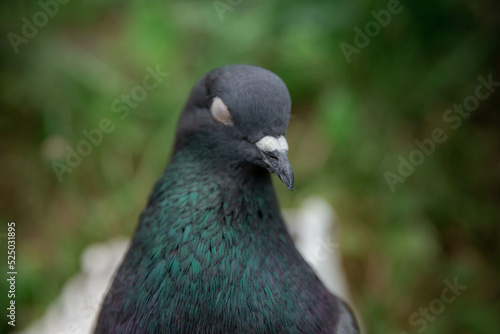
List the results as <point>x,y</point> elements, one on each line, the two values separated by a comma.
<point>220,112</point>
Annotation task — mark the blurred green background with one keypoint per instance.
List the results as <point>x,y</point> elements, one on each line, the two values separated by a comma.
<point>351,121</point>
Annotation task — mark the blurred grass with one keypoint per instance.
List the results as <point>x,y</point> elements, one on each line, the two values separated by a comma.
<point>350,123</point>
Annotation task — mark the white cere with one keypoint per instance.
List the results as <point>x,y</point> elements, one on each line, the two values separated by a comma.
<point>220,112</point>
<point>270,144</point>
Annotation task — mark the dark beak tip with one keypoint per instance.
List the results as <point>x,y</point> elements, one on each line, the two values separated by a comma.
<point>282,168</point>
<point>288,179</point>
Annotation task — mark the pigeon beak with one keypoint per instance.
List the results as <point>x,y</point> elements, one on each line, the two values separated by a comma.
<point>278,162</point>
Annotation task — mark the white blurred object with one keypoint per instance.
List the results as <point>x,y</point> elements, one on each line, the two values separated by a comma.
<point>315,231</point>
<point>75,311</point>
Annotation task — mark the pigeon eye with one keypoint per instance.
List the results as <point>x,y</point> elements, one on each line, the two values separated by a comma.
<point>220,112</point>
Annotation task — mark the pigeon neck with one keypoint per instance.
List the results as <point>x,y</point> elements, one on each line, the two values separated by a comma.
<point>220,163</point>
<point>220,232</point>
<point>238,194</point>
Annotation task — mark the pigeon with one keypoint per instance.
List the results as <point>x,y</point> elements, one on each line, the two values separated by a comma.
<point>211,253</point>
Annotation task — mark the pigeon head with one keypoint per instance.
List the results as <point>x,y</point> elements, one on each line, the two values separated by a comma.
<point>241,113</point>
